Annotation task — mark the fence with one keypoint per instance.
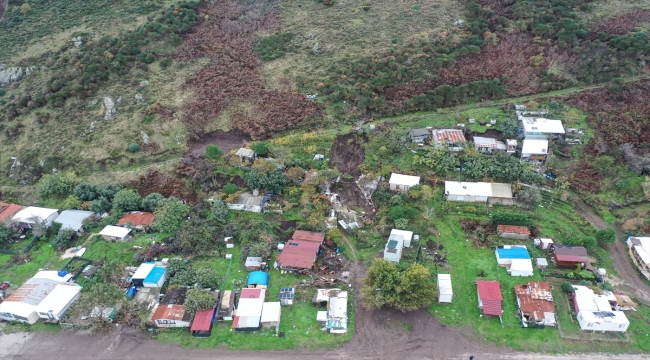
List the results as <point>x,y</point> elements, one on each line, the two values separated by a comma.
<point>25,249</point>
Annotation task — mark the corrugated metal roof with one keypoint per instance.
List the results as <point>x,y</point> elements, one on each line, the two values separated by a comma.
<point>298,254</point>
<point>449,136</point>
<point>308,236</point>
<point>535,299</point>
<point>202,320</point>
<point>7,211</point>
<point>155,274</point>
<point>513,229</point>
<point>490,294</point>
<point>170,312</point>
<point>73,219</point>
<point>33,291</point>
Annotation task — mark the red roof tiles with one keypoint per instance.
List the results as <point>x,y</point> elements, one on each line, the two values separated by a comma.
<point>7,211</point>
<point>490,294</point>
<point>308,236</point>
<point>137,218</point>
<point>202,320</point>
<point>513,229</point>
<point>298,254</point>
<point>449,136</point>
<point>169,312</point>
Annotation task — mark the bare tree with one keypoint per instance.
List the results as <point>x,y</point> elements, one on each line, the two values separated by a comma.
<point>39,226</point>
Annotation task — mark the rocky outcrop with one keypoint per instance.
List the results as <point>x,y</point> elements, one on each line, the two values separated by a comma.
<point>109,104</point>
<point>10,76</point>
<point>77,42</point>
<point>145,138</point>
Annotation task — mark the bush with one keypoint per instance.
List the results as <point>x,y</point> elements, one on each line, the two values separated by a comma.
<point>57,184</point>
<point>62,238</point>
<point>134,147</point>
<point>606,235</point>
<point>213,152</point>
<point>261,148</point>
<point>273,46</point>
<point>100,205</point>
<point>396,212</point>
<point>567,287</point>
<point>165,62</point>
<point>151,201</point>
<point>230,188</point>
<point>127,200</point>
<point>402,224</point>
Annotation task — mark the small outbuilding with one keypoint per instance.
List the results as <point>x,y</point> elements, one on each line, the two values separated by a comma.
<point>141,273</point>
<point>245,154</point>
<point>156,277</point>
<point>639,249</point>
<point>115,233</point>
<point>258,279</point>
<point>543,243</point>
<point>73,220</point>
<point>490,298</point>
<point>445,293</point>
<point>226,307</point>
<point>479,192</point>
<point>400,182</point>
<point>516,260</point>
<point>566,256</point>
<point>253,263</point>
<point>202,322</point>
<point>248,315</point>
<point>271,312</point>
<point>397,240</point>
<point>513,232</point>
<point>419,135</point>
<point>287,295</point>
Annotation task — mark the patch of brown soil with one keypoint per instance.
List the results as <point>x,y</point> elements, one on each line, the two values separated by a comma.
<point>621,24</point>
<point>348,154</point>
<point>166,185</point>
<point>227,35</point>
<point>225,140</point>
<point>4,4</point>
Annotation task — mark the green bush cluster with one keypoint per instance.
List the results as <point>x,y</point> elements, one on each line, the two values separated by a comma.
<point>273,46</point>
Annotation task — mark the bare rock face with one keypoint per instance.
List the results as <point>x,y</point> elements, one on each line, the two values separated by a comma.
<point>109,104</point>
<point>10,76</point>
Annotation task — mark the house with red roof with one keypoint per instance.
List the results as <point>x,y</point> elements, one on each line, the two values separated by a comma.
<point>203,319</point>
<point>7,211</point>
<point>300,252</point>
<point>513,232</point>
<point>138,220</point>
<point>566,256</point>
<point>489,298</point>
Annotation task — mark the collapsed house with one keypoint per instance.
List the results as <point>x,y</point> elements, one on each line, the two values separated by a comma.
<point>536,306</point>
<point>451,139</point>
<point>335,319</point>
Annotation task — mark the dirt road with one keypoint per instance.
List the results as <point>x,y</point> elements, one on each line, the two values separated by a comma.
<point>622,262</point>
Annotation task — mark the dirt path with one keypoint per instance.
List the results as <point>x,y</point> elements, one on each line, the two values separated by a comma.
<point>352,249</point>
<point>618,250</point>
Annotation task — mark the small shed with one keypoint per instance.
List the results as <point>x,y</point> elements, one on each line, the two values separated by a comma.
<point>156,277</point>
<point>286,296</point>
<point>542,263</point>
<point>545,243</point>
<point>115,233</point>
<point>141,273</point>
<point>419,135</point>
<point>139,220</point>
<point>202,323</point>
<point>271,315</point>
<point>258,279</point>
<point>253,263</point>
<point>230,243</point>
<point>490,298</point>
<point>400,182</point>
<point>445,293</point>
<point>246,154</point>
<point>513,232</point>
<point>226,306</point>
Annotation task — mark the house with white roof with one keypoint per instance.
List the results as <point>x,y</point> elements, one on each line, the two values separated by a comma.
<point>639,248</point>
<point>397,240</point>
<point>45,296</point>
<point>479,192</point>
<point>31,215</point>
<point>115,233</point>
<point>248,315</point>
<point>73,220</point>
<point>399,182</point>
<point>534,150</point>
<point>445,293</point>
<point>488,145</point>
<point>594,312</point>
<point>539,127</point>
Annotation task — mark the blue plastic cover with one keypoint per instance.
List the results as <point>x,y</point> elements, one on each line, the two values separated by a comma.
<point>513,253</point>
<point>258,278</point>
<point>155,275</point>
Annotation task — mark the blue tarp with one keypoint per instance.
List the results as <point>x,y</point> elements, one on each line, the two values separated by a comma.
<point>513,253</point>
<point>258,278</point>
<point>155,275</point>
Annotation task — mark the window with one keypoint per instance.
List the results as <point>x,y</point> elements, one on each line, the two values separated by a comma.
<point>481,198</point>
<point>621,326</point>
<point>460,198</point>
<point>590,325</point>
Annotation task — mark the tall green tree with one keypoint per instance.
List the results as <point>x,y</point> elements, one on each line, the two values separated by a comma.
<point>57,184</point>
<point>6,233</point>
<point>151,201</point>
<point>170,215</point>
<point>127,200</point>
<point>274,181</point>
<point>219,211</point>
<point>386,285</point>
<point>197,299</point>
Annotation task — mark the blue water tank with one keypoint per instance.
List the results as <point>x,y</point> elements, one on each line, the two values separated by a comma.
<point>62,273</point>
<point>130,294</point>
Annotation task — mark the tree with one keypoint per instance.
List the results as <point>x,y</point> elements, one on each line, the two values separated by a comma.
<point>100,205</point>
<point>219,211</point>
<point>255,249</point>
<point>38,225</point>
<point>213,152</point>
<point>264,166</point>
<point>109,191</point>
<point>134,147</point>
<point>295,174</point>
<point>606,235</point>
<point>261,148</point>
<point>409,290</point>
<point>567,287</point>
<point>440,160</point>
<point>6,233</point>
<point>197,299</point>
<point>170,215</point>
<point>62,238</point>
<point>589,242</point>
<point>396,212</point>
<point>86,191</point>
<point>509,127</point>
<point>230,188</point>
<point>530,195</point>
<point>71,202</point>
<point>127,200</point>
<point>25,9</point>
<point>402,223</point>
<point>151,201</point>
<point>57,184</point>
<point>273,182</point>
